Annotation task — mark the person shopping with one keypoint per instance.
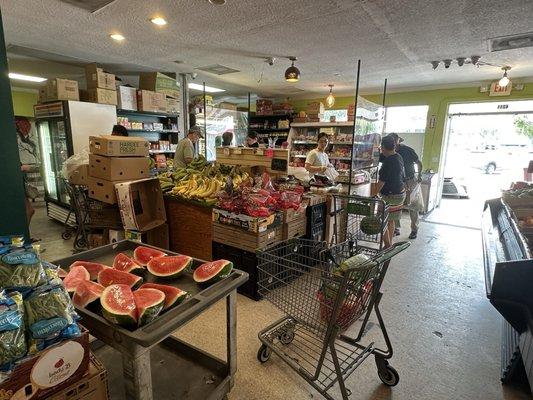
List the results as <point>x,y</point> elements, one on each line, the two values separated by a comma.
<point>251,139</point>
<point>391,185</point>
<point>317,161</point>
<point>185,149</point>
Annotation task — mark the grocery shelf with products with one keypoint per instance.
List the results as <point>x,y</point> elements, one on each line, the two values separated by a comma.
<point>271,121</point>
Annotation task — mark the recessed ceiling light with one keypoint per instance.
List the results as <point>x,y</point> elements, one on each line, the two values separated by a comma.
<point>159,21</point>
<point>208,89</point>
<point>28,78</point>
<point>117,36</point>
<point>218,2</point>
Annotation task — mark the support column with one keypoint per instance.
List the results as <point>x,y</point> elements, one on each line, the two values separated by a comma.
<point>12,198</point>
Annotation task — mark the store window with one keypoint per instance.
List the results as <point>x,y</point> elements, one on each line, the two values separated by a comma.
<point>340,115</point>
<point>410,123</point>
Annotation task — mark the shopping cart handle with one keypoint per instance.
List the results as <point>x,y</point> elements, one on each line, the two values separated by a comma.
<point>390,252</point>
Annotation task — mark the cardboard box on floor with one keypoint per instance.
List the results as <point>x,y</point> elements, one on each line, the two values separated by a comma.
<point>98,78</point>
<point>151,101</point>
<point>160,83</point>
<point>118,168</point>
<point>60,89</point>
<point>79,175</point>
<point>102,190</point>
<point>127,98</point>
<point>119,146</point>
<point>141,204</point>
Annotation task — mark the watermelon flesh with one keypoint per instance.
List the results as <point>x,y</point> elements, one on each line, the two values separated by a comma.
<point>86,293</point>
<point>93,268</point>
<point>111,276</point>
<point>75,276</point>
<point>144,254</point>
<point>126,264</point>
<point>212,271</point>
<point>173,295</point>
<point>149,303</point>
<point>118,305</point>
<point>169,267</point>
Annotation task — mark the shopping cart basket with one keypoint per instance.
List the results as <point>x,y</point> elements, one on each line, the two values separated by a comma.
<point>78,205</point>
<point>323,292</point>
<point>359,218</point>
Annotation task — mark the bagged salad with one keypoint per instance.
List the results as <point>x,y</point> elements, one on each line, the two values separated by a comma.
<point>20,268</point>
<point>12,330</point>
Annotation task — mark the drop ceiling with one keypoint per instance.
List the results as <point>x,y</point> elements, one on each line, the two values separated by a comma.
<point>395,39</point>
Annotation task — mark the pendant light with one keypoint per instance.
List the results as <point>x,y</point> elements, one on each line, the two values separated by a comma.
<point>292,74</point>
<point>330,100</point>
<point>504,81</point>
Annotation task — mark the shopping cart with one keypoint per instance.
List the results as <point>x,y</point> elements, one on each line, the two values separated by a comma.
<point>359,218</point>
<point>324,292</point>
<point>78,205</point>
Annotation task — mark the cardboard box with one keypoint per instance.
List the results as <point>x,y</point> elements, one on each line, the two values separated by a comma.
<point>102,190</point>
<point>160,83</point>
<point>97,78</point>
<point>252,224</point>
<point>98,239</point>
<point>173,105</point>
<point>118,168</point>
<point>151,101</point>
<point>227,106</point>
<point>102,96</point>
<point>43,95</point>
<point>245,240</point>
<point>116,235</point>
<point>291,214</point>
<point>103,215</point>
<point>295,228</point>
<point>49,371</point>
<point>141,204</point>
<point>62,89</point>
<point>94,386</point>
<point>158,237</point>
<point>127,98</point>
<point>119,146</point>
<point>79,175</point>
<point>315,107</point>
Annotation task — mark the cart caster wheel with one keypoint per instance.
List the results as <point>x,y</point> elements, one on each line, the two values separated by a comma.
<point>286,337</point>
<point>80,244</point>
<point>391,377</point>
<point>66,235</point>
<point>263,355</point>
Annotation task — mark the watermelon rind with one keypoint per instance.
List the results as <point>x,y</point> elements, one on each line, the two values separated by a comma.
<point>149,303</point>
<point>86,293</point>
<point>74,277</point>
<point>212,271</point>
<point>111,276</point>
<point>173,295</point>
<point>155,266</point>
<point>91,267</point>
<point>133,266</point>
<point>371,225</point>
<point>126,315</point>
<point>153,253</point>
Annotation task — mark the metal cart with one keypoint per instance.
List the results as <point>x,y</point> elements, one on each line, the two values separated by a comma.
<point>78,205</point>
<point>359,218</point>
<point>322,298</point>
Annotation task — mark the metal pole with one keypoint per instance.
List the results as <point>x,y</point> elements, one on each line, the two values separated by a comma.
<point>384,108</point>
<point>249,105</point>
<point>205,124</point>
<point>354,127</point>
<point>183,119</point>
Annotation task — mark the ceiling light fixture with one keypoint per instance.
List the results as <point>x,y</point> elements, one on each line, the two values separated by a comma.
<point>330,100</point>
<point>208,89</point>
<point>159,21</point>
<point>117,37</point>
<point>27,78</point>
<point>504,81</point>
<point>435,64</point>
<point>292,74</point>
<point>217,2</point>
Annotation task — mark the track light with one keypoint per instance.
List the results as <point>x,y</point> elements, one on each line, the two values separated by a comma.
<point>292,74</point>
<point>435,64</point>
<point>330,100</point>
<point>460,61</point>
<point>475,59</point>
<point>504,81</point>
<point>447,63</point>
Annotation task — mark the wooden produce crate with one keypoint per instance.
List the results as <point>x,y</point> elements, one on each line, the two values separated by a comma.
<point>189,228</point>
<point>246,240</point>
<point>255,157</point>
<point>295,228</point>
<point>293,215</point>
<point>246,222</point>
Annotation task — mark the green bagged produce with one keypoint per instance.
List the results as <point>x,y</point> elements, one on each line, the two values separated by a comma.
<point>20,268</point>
<point>12,330</point>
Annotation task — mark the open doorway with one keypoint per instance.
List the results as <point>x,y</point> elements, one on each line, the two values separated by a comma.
<point>487,147</point>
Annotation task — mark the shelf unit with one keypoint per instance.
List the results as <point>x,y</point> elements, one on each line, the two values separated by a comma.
<point>267,126</point>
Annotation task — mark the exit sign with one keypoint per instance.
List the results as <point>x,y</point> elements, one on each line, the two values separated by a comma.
<point>497,90</point>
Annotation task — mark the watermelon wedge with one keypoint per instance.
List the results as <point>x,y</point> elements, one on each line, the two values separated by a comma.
<point>212,271</point>
<point>144,254</point>
<point>86,293</point>
<point>149,304</point>
<point>61,273</point>
<point>75,276</point>
<point>111,276</point>
<point>93,268</point>
<point>118,305</point>
<point>173,295</point>
<point>169,267</point>
<point>126,264</point>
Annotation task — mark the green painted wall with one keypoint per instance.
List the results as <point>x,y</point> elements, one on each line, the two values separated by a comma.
<point>23,103</point>
<point>438,101</point>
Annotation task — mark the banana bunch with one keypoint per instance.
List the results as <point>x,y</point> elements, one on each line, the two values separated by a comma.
<point>199,163</point>
<point>200,188</point>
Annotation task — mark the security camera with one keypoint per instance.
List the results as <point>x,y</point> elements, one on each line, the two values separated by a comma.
<point>271,60</point>
<point>460,61</point>
<point>475,59</point>
<point>447,63</point>
<point>194,75</point>
<point>435,64</point>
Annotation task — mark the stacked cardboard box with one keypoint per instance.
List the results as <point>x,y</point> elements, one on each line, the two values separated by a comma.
<point>100,86</point>
<point>127,98</point>
<point>295,222</point>
<point>59,89</point>
<point>150,101</point>
<point>351,112</point>
<point>263,107</point>
<point>163,84</point>
<point>315,111</point>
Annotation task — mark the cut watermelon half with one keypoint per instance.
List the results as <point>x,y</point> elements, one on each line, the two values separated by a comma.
<point>144,254</point>
<point>111,276</point>
<point>86,293</point>
<point>212,271</point>
<point>93,268</point>
<point>173,295</point>
<point>126,264</point>
<point>75,276</point>
<point>149,304</point>
<point>118,305</point>
<point>169,267</point>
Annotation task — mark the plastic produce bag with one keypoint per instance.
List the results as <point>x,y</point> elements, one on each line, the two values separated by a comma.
<point>12,330</point>
<point>20,268</point>
<point>74,162</point>
<point>331,173</point>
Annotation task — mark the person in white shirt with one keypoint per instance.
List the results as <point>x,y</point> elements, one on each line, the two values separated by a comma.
<point>317,161</point>
<point>185,149</point>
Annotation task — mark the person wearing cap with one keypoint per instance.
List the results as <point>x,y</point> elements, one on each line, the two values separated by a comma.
<point>185,149</point>
<point>251,139</point>
<point>391,184</point>
<point>414,200</point>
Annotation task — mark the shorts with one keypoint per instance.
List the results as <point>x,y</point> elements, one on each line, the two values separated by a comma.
<point>395,203</point>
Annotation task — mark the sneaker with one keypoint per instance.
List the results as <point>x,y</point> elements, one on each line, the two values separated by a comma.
<point>413,235</point>
<point>397,232</point>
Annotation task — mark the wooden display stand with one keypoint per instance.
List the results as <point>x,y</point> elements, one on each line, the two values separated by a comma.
<point>274,161</point>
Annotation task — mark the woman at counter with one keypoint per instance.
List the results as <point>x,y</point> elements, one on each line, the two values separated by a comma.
<point>317,161</point>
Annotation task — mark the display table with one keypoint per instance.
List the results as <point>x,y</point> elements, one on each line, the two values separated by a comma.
<point>189,227</point>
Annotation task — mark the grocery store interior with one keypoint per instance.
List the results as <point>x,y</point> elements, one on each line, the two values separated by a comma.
<point>248,200</point>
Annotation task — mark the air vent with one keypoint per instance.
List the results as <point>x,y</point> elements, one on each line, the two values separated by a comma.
<point>218,69</point>
<point>511,42</point>
<point>89,5</point>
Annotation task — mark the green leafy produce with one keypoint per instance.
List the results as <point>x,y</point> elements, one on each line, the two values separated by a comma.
<point>46,304</point>
<point>21,268</point>
<point>12,337</point>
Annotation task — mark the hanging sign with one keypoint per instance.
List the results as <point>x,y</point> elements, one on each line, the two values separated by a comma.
<point>497,90</point>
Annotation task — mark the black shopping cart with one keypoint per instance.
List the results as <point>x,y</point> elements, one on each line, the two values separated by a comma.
<point>323,292</point>
<point>78,206</point>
